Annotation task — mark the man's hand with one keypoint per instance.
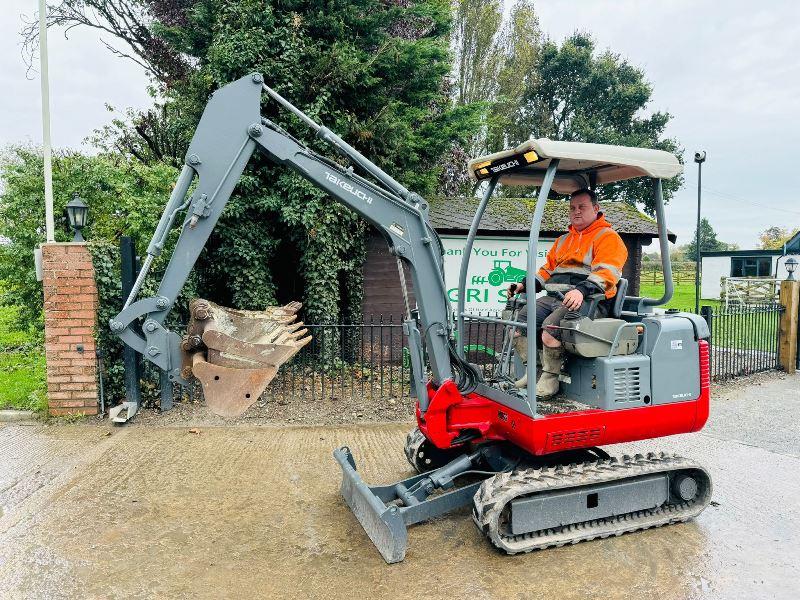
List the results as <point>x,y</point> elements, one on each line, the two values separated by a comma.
<point>515,288</point>
<point>573,300</point>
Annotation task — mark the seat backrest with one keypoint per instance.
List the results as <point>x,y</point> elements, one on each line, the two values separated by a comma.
<point>619,298</point>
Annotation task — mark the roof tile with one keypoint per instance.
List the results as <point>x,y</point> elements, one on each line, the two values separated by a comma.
<point>514,214</point>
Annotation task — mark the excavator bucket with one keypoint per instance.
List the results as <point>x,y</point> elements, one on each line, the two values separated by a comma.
<point>235,354</point>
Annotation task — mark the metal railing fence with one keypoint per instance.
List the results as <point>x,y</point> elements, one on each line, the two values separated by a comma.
<point>744,339</point>
<point>369,360</point>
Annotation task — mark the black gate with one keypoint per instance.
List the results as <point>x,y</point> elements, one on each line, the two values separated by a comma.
<point>744,339</point>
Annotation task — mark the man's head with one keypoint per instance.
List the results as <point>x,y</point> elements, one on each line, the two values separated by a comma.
<point>583,208</point>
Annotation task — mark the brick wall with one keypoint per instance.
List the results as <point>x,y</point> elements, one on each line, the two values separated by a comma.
<point>70,318</point>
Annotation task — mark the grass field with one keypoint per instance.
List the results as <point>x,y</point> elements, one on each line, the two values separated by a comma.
<point>753,329</point>
<point>22,366</point>
<point>683,298</point>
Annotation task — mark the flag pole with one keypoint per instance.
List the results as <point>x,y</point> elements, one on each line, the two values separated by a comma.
<point>46,149</point>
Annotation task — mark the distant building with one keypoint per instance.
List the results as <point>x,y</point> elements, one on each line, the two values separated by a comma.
<point>500,252</point>
<point>767,264</point>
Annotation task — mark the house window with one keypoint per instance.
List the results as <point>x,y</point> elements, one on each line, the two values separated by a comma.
<point>751,266</point>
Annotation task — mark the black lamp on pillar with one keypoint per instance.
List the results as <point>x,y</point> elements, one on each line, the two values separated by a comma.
<point>791,265</point>
<point>77,211</point>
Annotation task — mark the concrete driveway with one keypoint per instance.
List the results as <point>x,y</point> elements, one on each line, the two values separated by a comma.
<point>246,512</point>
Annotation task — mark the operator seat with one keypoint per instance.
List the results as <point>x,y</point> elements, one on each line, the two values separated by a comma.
<point>619,299</point>
<point>588,337</point>
<point>614,304</point>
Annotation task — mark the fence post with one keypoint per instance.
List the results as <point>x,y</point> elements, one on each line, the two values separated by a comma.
<point>787,350</point>
<point>707,312</point>
<point>131,359</point>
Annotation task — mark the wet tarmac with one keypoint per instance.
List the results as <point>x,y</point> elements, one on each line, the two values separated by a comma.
<point>250,512</point>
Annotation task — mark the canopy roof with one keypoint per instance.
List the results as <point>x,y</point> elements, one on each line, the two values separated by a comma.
<point>579,164</point>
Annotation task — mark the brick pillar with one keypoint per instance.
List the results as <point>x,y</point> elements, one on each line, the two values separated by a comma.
<point>70,318</point>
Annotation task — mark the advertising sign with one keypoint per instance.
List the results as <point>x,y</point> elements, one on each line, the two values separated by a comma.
<point>495,263</point>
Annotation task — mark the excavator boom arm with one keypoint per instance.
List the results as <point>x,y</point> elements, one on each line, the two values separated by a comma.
<point>229,131</point>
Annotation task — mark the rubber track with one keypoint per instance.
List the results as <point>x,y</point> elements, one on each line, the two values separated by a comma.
<point>496,492</point>
<point>414,439</point>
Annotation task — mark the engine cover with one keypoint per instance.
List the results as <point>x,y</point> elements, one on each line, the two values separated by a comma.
<point>663,370</point>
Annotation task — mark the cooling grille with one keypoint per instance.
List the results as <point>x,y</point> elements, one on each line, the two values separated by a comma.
<point>627,384</point>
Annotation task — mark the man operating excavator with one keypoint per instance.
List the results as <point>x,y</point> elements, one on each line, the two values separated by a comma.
<point>587,260</point>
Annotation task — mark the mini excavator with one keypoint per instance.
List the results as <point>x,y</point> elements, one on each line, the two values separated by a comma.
<point>532,469</point>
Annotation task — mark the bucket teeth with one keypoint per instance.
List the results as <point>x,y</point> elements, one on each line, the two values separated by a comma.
<point>235,354</point>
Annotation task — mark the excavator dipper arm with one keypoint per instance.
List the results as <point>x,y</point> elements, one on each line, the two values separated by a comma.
<point>229,131</point>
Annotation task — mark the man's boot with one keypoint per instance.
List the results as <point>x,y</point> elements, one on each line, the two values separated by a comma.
<point>548,383</point>
<point>521,348</point>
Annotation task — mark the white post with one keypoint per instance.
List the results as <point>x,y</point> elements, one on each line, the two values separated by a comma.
<point>48,165</point>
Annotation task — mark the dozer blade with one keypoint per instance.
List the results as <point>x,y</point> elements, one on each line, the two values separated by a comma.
<point>385,511</point>
<point>383,524</point>
<point>236,353</point>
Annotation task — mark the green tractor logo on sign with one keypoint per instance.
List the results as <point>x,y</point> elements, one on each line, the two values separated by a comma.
<point>503,272</point>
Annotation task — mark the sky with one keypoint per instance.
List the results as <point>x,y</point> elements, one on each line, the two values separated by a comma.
<point>728,72</point>
<point>84,77</point>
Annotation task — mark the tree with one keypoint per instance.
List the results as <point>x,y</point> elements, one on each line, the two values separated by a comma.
<point>478,51</point>
<point>583,96</point>
<point>773,238</point>
<point>124,196</point>
<point>494,59</point>
<point>708,241</point>
<point>345,63</point>
<point>130,22</point>
<point>160,134</point>
<point>521,44</point>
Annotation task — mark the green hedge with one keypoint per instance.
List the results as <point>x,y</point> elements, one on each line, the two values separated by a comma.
<point>124,198</point>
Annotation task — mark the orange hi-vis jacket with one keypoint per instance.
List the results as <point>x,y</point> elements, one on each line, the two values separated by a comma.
<point>590,260</point>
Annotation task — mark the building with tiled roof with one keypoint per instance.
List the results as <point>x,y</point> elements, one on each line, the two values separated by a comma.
<point>506,216</point>
<point>507,219</point>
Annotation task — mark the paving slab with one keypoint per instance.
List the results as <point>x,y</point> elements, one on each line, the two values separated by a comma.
<point>12,416</point>
<point>255,512</point>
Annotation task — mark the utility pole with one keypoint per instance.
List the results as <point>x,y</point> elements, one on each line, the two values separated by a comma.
<point>46,149</point>
<point>699,158</point>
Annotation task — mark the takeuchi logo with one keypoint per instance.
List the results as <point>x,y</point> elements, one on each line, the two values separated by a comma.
<point>347,186</point>
<point>504,166</point>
